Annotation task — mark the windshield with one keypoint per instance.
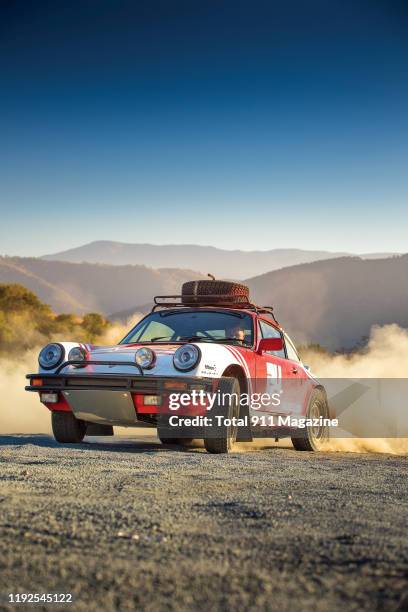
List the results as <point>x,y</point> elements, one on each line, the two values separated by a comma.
<point>199,325</point>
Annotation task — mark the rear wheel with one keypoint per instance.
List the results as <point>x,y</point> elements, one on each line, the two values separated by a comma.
<point>312,438</point>
<point>221,438</point>
<point>66,428</point>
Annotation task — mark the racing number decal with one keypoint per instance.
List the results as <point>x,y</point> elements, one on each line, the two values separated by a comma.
<point>274,371</point>
<point>273,381</point>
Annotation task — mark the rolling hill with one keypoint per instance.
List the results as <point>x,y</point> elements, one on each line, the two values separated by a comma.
<point>333,302</point>
<point>79,288</point>
<point>222,263</point>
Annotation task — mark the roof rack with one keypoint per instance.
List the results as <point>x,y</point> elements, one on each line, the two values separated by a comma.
<point>223,301</point>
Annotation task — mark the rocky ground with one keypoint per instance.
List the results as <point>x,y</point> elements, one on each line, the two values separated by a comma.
<point>125,523</point>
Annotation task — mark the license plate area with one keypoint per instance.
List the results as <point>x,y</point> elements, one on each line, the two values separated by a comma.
<point>102,406</point>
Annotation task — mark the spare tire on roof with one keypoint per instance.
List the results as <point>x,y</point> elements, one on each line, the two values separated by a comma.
<point>214,291</point>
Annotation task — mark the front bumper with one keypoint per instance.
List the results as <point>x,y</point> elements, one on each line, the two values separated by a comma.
<point>148,385</point>
<point>114,398</point>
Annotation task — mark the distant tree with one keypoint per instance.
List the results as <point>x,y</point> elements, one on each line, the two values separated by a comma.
<point>313,347</point>
<point>26,323</point>
<point>66,321</point>
<point>16,298</point>
<point>6,332</point>
<point>361,345</point>
<point>94,324</point>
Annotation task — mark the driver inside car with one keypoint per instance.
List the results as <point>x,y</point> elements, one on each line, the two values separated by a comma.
<point>236,332</point>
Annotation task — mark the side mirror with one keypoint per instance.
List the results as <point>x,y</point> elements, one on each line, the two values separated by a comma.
<point>270,344</point>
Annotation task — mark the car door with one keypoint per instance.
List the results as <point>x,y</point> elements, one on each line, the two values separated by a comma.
<point>271,366</point>
<point>276,372</point>
<point>301,385</point>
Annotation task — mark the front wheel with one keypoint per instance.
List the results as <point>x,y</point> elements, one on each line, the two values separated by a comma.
<point>221,438</point>
<point>66,428</point>
<point>312,438</point>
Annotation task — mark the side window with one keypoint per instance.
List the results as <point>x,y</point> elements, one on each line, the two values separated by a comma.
<point>290,350</point>
<point>269,331</point>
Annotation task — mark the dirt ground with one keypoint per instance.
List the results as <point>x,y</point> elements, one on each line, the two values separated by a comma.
<point>125,523</point>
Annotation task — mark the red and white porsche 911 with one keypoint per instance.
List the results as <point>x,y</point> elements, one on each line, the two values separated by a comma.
<point>206,364</point>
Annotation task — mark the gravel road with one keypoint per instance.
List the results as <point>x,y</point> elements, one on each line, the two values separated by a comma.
<point>124,523</point>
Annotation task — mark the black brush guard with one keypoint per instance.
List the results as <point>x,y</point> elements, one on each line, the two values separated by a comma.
<point>137,383</point>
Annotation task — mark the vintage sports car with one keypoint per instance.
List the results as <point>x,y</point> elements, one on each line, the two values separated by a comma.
<point>210,344</point>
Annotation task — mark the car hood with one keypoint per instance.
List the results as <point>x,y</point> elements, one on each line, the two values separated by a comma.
<point>215,358</point>
<point>120,350</point>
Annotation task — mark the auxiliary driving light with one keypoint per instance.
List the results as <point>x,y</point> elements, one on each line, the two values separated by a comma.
<point>50,356</point>
<point>49,398</point>
<point>152,400</point>
<point>77,354</point>
<point>186,357</point>
<point>145,358</point>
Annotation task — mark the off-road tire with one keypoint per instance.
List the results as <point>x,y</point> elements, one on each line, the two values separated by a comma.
<point>224,441</point>
<point>195,291</point>
<point>66,428</point>
<point>306,440</point>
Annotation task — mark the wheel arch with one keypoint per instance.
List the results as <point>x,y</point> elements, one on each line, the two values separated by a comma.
<point>236,371</point>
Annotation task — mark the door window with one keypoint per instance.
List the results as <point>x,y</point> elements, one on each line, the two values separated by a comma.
<point>290,350</point>
<point>269,331</point>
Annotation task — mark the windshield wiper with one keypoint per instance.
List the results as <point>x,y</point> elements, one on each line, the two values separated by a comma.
<point>198,338</point>
<point>192,338</point>
<point>206,339</point>
<point>233,340</point>
<point>181,339</point>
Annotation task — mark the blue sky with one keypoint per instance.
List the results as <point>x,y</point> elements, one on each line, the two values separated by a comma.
<point>249,125</point>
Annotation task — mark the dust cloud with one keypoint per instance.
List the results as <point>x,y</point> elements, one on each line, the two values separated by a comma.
<point>22,412</point>
<point>117,331</point>
<point>385,356</point>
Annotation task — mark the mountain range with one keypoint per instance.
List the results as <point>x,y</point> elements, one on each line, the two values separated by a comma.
<point>206,259</point>
<point>336,302</point>
<point>79,288</point>
<point>333,302</point>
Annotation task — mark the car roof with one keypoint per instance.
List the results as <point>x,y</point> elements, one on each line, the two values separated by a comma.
<point>258,313</point>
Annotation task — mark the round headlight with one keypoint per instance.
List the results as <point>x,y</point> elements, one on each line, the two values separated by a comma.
<point>186,357</point>
<point>78,353</point>
<point>145,358</point>
<point>50,356</point>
